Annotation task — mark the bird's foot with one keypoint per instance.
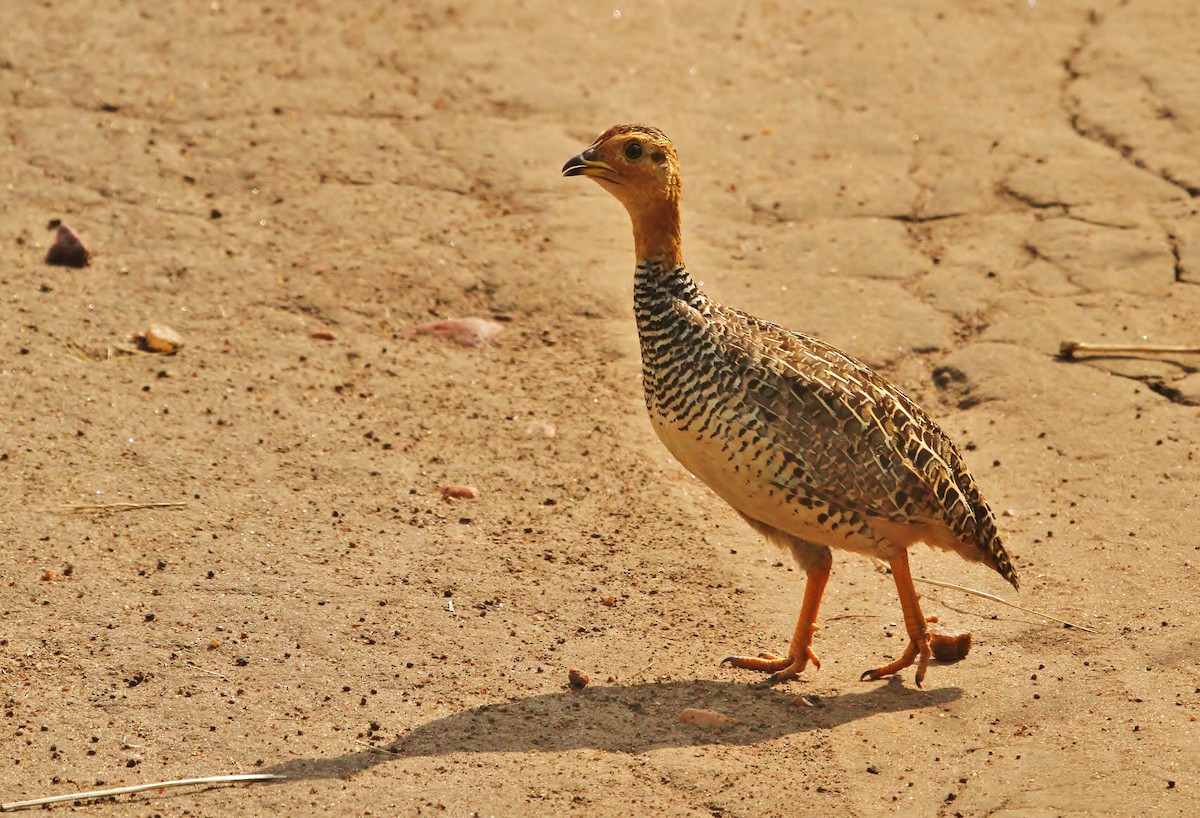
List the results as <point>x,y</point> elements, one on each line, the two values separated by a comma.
<point>916,648</point>
<point>781,668</point>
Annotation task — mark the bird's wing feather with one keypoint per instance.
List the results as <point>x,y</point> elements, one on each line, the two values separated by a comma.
<point>846,433</point>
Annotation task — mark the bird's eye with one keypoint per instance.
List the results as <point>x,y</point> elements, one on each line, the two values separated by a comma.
<point>633,151</point>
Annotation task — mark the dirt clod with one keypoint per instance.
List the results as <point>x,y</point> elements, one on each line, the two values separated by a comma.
<point>949,644</point>
<point>67,250</point>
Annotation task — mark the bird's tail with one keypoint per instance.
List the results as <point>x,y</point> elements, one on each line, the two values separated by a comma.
<point>986,534</point>
<point>989,540</point>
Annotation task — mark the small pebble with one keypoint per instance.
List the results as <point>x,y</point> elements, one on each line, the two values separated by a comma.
<point>159,338</point>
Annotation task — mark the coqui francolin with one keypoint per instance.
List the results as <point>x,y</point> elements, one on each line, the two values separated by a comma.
<point>810,446</point>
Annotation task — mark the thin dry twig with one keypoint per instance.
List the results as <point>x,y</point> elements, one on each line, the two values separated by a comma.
<point>120,506</point>
<point>195,666</point>
<point>1075,349</point>
<point>183,782</point>
<point>86,355</point>
<point>995,598</point>
<point>81,353</point>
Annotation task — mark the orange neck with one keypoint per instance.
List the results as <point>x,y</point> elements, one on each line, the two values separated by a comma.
<point>656,231</point>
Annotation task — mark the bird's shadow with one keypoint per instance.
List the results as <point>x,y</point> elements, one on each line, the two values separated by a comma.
<point>624,719</point>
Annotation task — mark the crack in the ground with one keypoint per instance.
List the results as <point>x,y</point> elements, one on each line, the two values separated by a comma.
<point>1097,222</point>
<point>915,221</point>
<point>1035,254</point>
<point>1177,255</point>
<point>1094,131</point>
<point>1159,386</point>
<point>1098,133</point>
<point>1005,191</point>
<point>913,218</point>
<point>919,226</point>
<point>1055,209</point>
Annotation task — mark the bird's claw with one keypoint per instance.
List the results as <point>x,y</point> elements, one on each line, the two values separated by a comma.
<point>733,660</point>
<point>781,668</point>
<point>873,676</point>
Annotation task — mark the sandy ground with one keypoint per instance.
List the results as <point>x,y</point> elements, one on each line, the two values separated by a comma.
<point>946,189</point>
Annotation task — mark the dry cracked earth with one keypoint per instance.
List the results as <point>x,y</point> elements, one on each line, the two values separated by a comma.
<point>947,190</point>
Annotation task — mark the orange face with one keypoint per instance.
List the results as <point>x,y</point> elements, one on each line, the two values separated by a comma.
<point>635,163</point>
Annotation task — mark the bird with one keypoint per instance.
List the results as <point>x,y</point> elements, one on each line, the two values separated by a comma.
<point>810,446</point>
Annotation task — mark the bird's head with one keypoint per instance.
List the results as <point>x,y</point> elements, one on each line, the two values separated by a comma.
<point>632,162</point>
<point>638,165</point>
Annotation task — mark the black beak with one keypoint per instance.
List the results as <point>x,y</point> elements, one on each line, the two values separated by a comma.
<point>575,166</point>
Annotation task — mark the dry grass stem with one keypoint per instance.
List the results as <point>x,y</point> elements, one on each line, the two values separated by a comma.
<point>1075,349</point>
<point>995,598</point>
<point>183,782</point>
<point>93,356</point>
<point>120,506</point>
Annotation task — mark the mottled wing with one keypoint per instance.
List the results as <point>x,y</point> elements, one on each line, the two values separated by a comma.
<point>842,432</point>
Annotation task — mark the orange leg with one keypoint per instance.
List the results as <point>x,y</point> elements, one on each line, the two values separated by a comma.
<point>914,623</point>
<point>800,653</point>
